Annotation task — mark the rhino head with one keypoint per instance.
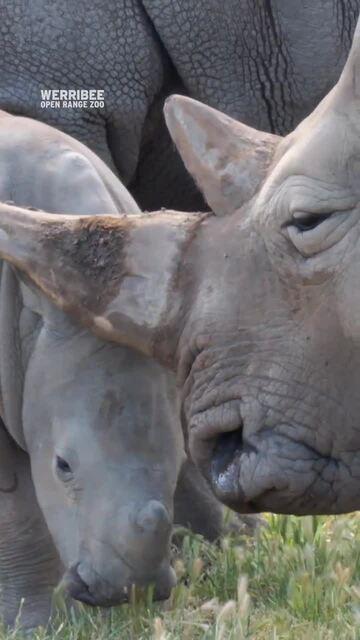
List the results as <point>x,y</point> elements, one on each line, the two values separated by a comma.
<point>105,448</point>
<point>100,425</point>
<point>256,308</point>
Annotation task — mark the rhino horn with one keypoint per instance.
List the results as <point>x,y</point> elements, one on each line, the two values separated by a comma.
<point>103,270</point>
<point>227,159</point>
<point>348,86</point>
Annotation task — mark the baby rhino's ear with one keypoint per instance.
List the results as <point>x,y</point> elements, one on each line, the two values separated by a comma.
<point>227,159</point>
<point>116,276</point>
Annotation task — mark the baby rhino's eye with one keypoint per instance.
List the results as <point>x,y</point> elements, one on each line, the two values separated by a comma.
<point>62,467</point>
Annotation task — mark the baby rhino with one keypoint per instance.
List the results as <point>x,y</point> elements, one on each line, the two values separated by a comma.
<point>91,448</point>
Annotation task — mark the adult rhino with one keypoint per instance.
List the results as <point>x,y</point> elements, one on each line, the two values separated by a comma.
<point>267,63</point>
<point>91,449</point>
<point>257,310</point>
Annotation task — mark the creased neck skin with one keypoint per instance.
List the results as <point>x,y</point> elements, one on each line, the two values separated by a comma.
<point>264,414</point>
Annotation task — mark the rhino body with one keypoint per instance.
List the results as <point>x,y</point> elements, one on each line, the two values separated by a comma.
<point>255,308</point>
<point>266,63</point>
<point>91,446</point>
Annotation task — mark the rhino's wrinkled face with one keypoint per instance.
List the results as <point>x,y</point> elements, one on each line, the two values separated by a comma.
<point>97,422</point>
<point>272,400</point>
<point>257,308</point>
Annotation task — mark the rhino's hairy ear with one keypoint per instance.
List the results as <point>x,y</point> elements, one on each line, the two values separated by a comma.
<point>227,159</point>
<point>115,275</point>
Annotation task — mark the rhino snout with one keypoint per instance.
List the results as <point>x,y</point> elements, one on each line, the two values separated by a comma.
<point>134,551</point>
<point>88,587</point>
<point>77,587</point>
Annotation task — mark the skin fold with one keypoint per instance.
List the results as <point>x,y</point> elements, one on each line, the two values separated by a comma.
<point>91,449</point>
<point>255,308</point>
<point>265,63</point>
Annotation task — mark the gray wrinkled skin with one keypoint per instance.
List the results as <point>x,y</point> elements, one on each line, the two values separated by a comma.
<point>91,448</point>
<point>271,346</point>
<point>256,308</point>
<point>265,63</point>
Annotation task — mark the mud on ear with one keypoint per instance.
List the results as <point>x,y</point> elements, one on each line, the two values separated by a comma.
<point>115,275</point>
<point>227,159</point>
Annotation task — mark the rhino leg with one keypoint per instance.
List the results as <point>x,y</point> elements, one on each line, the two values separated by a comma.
<point>29,564</point>
<point>195,506</point>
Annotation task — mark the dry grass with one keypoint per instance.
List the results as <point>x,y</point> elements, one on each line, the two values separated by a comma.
<point>298,580</point>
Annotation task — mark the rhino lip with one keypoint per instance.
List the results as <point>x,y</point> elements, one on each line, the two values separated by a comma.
<point>77,588</point>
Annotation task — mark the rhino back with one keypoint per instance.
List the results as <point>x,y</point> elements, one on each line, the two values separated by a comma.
<point>44,168</point>
<point>66,44</point>
<point>266,63</point>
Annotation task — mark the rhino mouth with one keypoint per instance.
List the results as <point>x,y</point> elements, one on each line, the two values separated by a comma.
<point>98,595</point>
<point>270,470</point>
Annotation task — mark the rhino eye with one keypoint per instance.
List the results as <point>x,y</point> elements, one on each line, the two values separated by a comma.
<point>312,233</point>
<point>63,468</point>
<point>307,222</point>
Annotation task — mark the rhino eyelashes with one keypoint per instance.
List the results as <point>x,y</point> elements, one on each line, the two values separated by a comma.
<point>307,222</point>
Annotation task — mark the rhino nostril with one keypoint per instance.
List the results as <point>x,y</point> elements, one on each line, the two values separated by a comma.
<point>153,518</point>
<point>227,446</point>
<point>223,470</point>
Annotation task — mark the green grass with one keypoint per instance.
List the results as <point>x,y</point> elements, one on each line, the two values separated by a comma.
<point>299,579</point>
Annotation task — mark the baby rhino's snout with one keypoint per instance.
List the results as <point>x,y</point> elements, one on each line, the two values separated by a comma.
<point>136,553</point>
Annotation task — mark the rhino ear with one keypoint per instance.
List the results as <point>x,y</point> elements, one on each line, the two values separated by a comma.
<point>115,275</point>
<point>227,159</point>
